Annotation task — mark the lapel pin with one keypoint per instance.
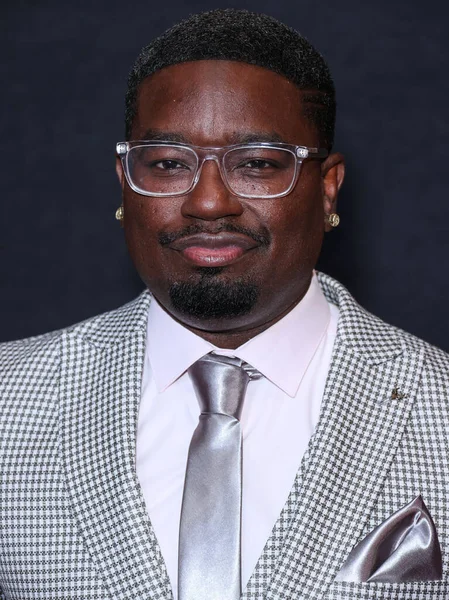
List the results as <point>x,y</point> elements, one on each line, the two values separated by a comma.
<point>396,394</point>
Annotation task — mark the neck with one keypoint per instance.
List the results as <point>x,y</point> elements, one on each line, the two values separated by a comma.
<point>234,338</point>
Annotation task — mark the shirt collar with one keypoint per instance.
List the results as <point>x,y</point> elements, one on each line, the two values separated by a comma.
<point>281,353</point>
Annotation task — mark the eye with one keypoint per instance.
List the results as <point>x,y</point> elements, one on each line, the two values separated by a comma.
<point>257,163</point>
<point>167,165</point>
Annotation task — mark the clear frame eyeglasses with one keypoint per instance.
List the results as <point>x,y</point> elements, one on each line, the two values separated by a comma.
<point>259,170</point>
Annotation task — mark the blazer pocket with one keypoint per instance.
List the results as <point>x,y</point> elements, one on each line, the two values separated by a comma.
<point>410,590</point>
<point>402,549</point>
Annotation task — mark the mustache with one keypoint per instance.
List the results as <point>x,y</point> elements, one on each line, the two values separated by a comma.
<point>262,237</point>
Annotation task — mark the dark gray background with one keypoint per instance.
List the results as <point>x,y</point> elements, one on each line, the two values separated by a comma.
<point>64,69</point>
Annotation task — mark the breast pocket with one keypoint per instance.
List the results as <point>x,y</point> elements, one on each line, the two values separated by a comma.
<point>412,590</point>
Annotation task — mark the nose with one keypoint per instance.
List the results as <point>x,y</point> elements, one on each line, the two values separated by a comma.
<point>210,199</point>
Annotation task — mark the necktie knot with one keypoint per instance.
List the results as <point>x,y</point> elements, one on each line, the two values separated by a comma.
<point>220,384</point>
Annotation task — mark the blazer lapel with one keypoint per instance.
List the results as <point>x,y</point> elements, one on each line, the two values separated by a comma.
<point>100,395</point>
<point>369,393</point>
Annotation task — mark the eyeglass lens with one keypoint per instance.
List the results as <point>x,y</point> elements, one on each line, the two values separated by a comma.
<point>254,171</point>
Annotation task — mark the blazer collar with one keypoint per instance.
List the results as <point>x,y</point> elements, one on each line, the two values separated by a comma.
<point>360,331</point>
<point>113,327</point>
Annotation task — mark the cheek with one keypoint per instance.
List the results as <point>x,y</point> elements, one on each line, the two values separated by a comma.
<point>144,219</point>
<point>298,227</point>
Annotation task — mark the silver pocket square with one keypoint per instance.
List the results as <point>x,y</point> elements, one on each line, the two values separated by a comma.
<point>405,547</point>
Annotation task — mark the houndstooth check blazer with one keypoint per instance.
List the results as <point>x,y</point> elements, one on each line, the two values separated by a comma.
<point>73,523</point>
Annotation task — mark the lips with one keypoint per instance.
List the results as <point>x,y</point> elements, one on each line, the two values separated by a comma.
<point>213,250</point>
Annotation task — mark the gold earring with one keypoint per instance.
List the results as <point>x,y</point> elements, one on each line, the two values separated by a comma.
<point>333,219</point>
<point>119,213</point>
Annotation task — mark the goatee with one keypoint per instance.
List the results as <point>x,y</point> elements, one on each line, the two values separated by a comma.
<point>207,298</point>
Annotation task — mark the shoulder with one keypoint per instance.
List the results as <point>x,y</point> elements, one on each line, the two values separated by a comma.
<point>37,357</point>
<point>15,355</point>
<point>375,339</point>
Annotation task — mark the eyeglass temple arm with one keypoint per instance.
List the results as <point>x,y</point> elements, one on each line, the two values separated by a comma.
<point>317,153</point>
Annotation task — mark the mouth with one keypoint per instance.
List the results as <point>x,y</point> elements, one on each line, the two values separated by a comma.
<point>214,250</point>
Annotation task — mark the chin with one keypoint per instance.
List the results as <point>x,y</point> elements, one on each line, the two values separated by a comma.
<point>211,299</point>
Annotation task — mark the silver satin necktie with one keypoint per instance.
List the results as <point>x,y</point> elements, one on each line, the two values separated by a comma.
<point>210,529</point>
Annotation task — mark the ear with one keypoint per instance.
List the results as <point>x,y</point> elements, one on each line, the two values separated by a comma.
<point>332,173</point>
<point>119,171</point>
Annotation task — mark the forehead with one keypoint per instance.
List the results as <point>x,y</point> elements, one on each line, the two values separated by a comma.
<point>219,103</point>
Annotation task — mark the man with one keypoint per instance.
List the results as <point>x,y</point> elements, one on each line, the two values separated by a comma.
<point>113,483</point>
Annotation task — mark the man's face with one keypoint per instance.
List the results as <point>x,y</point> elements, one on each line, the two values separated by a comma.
<point>217,262</point>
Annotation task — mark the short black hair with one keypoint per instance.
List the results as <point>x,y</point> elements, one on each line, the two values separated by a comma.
<point>240,35</point>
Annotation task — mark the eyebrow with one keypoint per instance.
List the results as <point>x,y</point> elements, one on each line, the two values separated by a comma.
<point>237,138</point>
<point>254,136</point>
<point>164,136</point>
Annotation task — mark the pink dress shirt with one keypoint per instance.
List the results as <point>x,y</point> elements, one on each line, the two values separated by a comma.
<point>279,416</point>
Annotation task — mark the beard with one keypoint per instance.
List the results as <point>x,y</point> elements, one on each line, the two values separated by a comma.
<point>209,298</point>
